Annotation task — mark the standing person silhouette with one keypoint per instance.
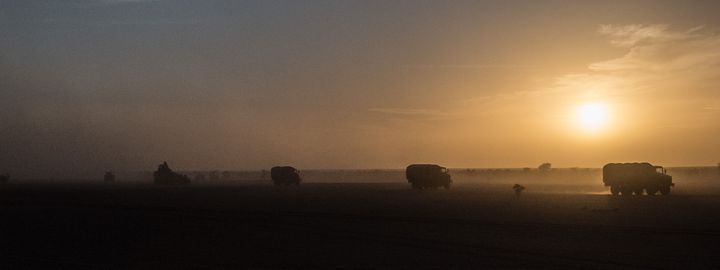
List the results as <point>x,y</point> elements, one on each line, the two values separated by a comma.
<point>518,190</point>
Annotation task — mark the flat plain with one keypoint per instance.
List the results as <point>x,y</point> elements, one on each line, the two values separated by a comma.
<point>354,225</point>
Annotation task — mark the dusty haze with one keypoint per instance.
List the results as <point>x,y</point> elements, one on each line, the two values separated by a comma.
<point>89,86</point>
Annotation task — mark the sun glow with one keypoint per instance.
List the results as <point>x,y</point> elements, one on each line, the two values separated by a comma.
<point>592,117</point>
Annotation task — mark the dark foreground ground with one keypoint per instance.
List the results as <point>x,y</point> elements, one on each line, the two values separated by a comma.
<point>351,226</point>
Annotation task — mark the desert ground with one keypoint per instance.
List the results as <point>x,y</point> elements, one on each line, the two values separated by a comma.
<point>353,224</point>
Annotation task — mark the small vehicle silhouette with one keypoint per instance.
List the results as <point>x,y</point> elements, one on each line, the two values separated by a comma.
<point>165,176</point>
<point>109,177</point>
<point>285,175</point>
<point>634,178</point>
<point>422,176</point>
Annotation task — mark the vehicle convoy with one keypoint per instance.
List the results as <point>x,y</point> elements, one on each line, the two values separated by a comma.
<point>422,176</point>
<point>634,178</point>
<point>285,175</point>
<point>165,176</point>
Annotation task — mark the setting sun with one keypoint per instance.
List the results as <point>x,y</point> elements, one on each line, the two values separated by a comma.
<point>592,117</point>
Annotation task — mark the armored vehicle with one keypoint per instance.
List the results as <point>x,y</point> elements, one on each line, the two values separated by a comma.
<point>422,176</point>
<point>285,175</point>
<point>4,178</point>
<point>165,176</point>
<point>633,178</point>
<point>109,177</point>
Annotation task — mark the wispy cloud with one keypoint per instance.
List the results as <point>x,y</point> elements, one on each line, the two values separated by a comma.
<point>467,66</point>
<point>658,58</point>
<point>410,112</point>
<point>638,34</point>
<point>655,48</point>
<point>673,75</point>
<point>111,2</point>
<point>655,75</point>
<point>662,66</point>
<point>162,19</point>
<point>151,22</point>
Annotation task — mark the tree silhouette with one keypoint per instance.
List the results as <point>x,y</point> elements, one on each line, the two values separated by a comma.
<point>545,167</point>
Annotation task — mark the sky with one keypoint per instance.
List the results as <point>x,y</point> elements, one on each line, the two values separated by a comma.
<point>88,86</point>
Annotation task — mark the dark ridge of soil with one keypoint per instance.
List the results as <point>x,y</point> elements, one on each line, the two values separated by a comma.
<point>325,225</point>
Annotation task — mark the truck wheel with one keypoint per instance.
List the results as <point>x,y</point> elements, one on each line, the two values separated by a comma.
<point>665,190</point>
<point>626,191</point>
<point>614,190</point>
<point>651,191</point>
<point>639,191</point>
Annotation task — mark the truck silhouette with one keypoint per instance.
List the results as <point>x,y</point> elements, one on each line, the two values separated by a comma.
<point>632,178</point>
<point>285,175</point>
<point>421,176</point>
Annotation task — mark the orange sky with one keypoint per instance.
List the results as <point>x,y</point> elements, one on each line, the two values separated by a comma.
<point>122,85</point>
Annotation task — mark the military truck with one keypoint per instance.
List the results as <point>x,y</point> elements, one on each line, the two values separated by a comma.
<point>285,175</point>
<point>165,176</point>
<point>422,176</point>
<point>634,178</point>
<point>109,177</point>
